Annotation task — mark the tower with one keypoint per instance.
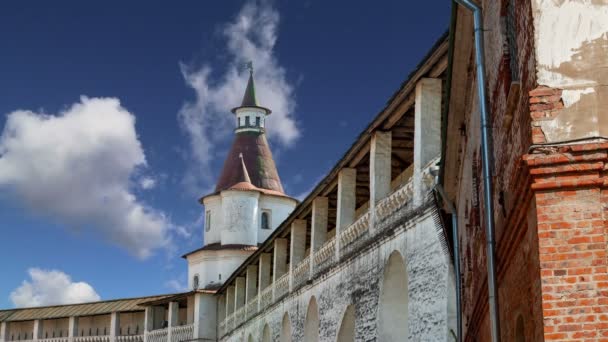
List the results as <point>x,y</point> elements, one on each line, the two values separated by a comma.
<point>248,202</point>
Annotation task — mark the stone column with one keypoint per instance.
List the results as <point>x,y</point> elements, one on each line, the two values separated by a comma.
<point>297,249</point>
<point>114,326</point>
<point>427,132</point>
<point>239,294</point>
<point>73,328</point>
<point>345,216</point>
<point>251,289</point>
<point>280,261</point>
<point>37,334</point>
<point>230,300</point>
<point>379,171</point>
<point>3,332</point>
<point>318,236</point>
<point>221,308</point>
<point>205,317</point>
<point>172,317</point>
<point>148,321</point>
<point>265,265</point>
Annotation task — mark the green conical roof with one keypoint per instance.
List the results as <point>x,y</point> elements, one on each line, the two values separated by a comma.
<point>249,99</point>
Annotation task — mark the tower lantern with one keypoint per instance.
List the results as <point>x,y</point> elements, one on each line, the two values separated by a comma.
<point>250,116</point>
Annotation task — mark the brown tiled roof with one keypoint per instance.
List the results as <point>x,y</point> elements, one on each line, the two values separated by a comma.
<point>83,309</point>
<point>258,161</point>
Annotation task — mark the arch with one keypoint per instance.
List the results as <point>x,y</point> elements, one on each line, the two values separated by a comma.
<point>347,327</point>
<point>265,220</point>
<point>520,335</point>
<point>393,306</point>
<point>285,329</point>
<point>266,336</point>
<point>250,338</point>
<point>311,325</point>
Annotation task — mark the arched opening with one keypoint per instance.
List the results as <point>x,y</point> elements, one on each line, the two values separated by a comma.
<point>286,329</point>
<point>393,309</point>
<point>519,330</point>
<point>250,338</point>
<point>265,220</point>
<point>347,327</point>
<point>311,325</point>
<point>266,334</point>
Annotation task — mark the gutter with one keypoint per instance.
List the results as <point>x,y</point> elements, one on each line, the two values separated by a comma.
<point>487,157</point>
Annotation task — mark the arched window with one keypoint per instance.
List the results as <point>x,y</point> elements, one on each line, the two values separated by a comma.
<point>195,282</point>
<point>265,220</point>
<point>394,296</point>
<point>207,221</point>
<point>311,325</point>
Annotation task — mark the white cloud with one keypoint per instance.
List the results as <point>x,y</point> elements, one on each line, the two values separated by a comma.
<point>147,183</point>
<point>251,36</point>
<point>76,168</point>
<point>176,285</point>
<point>51,287</point>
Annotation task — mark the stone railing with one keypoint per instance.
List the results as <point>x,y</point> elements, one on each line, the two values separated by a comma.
<point>158,335</point>
<point>222,328</point>
<point>182,333</point>
<point>266,297</point>
<point>230,322</point>
<point>105,338</point>
<point>281,286</point>
<point>53,339</point>
<point>394,201</point>
<point>252,307</point>
<point>352,232</point>
<point>325,252</point>
<point>240,315</point>
<point>301,272</point>
<point>130,338</point>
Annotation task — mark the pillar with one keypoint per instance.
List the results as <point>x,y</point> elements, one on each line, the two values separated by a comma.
<point>205,317</point>
<point>230,300</point>
<point>148,319</point>
<point>73,328</point>
<point>265,265</point>
<point>239,294</point>
<point>37,330</point>
<point>427,132</point>
<point>172,317</point>
<point>221,308</point>
<point>280,261</point>
<point>318,236</point>
<point>297,249</point>
<point>3,332</point>
<point>114,326</point>
<point>345,216</point>
<point>251,289</point>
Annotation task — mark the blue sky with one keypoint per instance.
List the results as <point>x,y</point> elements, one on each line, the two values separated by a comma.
<point>111,203</point>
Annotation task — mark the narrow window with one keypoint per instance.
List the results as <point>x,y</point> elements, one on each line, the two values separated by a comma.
<point>208,221</point>
<point>512,40</point>
<point>265,220</point>
<point>195,282</point>
<point>257,121</point>
<point>247,123</point>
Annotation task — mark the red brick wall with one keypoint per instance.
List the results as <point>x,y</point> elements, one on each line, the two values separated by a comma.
<point>571,203</point>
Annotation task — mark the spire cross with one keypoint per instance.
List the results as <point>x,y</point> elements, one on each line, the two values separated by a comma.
<point>249,65</point>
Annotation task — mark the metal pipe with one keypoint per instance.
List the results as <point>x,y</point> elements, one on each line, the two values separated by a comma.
<point>487,158</point>
<point>456,247</point>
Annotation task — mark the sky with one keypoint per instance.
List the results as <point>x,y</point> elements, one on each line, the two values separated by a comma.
<point>114,120</point>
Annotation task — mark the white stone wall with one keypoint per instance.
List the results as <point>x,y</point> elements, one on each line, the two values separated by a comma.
<point>241,215</point>
<point>279,208</point>
<point>213,205</point>
<point>358,280</point>
<point>214,267</point>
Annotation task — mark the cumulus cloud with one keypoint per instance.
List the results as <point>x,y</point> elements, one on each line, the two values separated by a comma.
<point>76,167</point>
<point>176,285</point>
<point>207,121</point>
<point>147,183</point>
<point>51,287</point>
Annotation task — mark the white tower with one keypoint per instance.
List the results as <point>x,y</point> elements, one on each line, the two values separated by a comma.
<point>248,202</point>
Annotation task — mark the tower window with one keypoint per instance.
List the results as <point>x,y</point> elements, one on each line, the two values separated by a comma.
<point>257,121</point>
<point>247,123</point>
<point>195,282</point>
<point>265,222</point>
<point>208,221</point>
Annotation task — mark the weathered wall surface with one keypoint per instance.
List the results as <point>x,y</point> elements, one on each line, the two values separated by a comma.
<point>571,39</point>
<point>516,237</point>
<point>359,280</point>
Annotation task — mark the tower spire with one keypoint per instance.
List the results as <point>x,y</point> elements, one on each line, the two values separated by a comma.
<point>250,99</point>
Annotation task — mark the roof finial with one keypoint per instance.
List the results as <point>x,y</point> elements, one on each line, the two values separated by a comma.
<point>249,65</point>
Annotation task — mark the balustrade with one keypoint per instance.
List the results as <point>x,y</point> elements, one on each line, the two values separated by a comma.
<point>301,272</point>
<point>130,338</point>
<point>182,333</point>
<point>105,338</point>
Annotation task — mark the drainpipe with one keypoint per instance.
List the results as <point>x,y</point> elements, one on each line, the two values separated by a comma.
<point>487,158</point>
<point>456,247</point>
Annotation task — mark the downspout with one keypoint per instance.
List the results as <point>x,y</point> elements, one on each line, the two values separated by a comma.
<point>487,157</point>
<point>458,280</point>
